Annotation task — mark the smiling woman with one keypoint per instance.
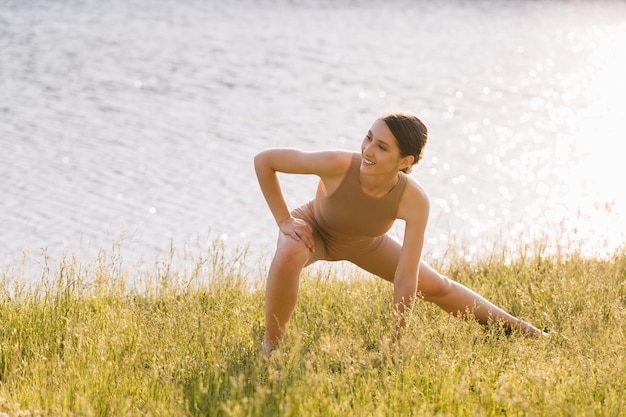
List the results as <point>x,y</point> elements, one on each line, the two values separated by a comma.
<point>358,199</point>
<point>401,132</point>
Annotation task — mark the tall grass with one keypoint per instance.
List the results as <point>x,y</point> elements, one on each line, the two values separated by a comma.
<point>183,339</point>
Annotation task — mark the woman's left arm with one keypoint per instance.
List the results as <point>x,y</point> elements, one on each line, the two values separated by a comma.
<point>414,209</point>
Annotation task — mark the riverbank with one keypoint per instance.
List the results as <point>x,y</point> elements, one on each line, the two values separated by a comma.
<point>84,341</point>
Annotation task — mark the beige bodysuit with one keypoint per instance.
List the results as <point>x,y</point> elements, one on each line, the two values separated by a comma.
<point>351,225</point>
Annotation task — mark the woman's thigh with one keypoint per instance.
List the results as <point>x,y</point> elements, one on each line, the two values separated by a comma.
<point>304,213</point>
<point>380,257</point>
<point>383,260</point>
<point>319,252</point>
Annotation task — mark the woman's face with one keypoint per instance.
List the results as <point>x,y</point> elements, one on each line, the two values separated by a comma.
<point>380,151</point>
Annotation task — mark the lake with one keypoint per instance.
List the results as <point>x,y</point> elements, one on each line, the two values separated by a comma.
<point>136,122</point>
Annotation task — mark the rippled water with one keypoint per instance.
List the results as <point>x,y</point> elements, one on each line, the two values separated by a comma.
<point>138,120</point>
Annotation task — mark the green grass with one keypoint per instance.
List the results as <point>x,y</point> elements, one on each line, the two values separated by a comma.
<point>104,339</point>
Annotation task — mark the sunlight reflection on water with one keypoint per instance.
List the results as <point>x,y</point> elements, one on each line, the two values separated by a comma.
<point>113,128</point>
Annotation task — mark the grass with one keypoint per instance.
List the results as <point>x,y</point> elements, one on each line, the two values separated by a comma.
<point>103,339</point>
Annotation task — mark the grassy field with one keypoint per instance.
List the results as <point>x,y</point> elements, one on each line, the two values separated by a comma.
<point>101,339</point>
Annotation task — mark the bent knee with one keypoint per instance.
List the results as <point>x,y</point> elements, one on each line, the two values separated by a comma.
<point>434,286</point>
<point>290,252</point>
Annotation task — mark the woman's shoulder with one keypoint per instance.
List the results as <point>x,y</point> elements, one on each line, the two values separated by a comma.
<point>414,190</point>
<point>334,162</point>
<point>339,156</point>
<point>330,157</point>
<point>414,199</point>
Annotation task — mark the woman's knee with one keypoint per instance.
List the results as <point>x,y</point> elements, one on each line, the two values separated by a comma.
<point>432,285</point>
<point>291,253</point>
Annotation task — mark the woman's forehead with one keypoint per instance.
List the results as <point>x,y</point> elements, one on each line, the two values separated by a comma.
<point>380,131</point>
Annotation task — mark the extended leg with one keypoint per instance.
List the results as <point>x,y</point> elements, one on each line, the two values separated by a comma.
<point>459,300</point>
<point>451,296</point>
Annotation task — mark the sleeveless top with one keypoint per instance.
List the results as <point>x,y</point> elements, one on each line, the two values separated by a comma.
<point>348,211</point>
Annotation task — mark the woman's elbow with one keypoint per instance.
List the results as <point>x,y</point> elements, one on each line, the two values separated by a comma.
<point>260,160</point>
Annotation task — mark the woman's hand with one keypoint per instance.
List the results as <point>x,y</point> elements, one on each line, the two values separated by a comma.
<point>298,230</point>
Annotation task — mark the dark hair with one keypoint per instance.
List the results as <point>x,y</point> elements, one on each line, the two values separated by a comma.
<point>410,133</point>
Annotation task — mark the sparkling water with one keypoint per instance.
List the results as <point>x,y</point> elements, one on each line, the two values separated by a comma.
<point>137,121</point>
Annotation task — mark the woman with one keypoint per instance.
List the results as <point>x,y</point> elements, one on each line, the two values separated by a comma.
<point>359,197</point>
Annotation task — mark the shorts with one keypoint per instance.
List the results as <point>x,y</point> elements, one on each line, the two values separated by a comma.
<point>377,255</point>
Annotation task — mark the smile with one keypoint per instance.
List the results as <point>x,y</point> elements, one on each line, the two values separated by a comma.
<point>368,162</point>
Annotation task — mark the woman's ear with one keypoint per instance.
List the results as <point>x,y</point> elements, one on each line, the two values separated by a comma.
<point>406,162</point>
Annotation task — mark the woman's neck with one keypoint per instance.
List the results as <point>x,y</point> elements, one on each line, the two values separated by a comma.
<point>378,185</point>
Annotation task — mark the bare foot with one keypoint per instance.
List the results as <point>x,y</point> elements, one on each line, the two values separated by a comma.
<point>269,347</point>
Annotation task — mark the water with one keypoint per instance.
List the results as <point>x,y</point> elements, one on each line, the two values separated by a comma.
<point>137,121</point>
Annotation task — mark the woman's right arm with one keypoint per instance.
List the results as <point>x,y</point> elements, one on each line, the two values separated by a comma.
<point>294,161</point>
